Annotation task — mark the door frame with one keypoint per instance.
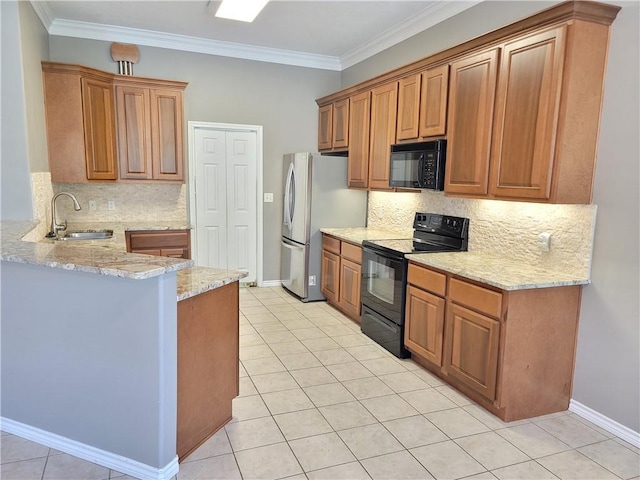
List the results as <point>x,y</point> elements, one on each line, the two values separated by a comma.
<point>191,182</point>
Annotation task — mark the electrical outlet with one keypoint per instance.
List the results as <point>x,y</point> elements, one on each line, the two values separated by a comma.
<point>544,241</point>
<point>312,280</point>
<point>111,204</point>
<point>92,205</point>
<point>268,198</point>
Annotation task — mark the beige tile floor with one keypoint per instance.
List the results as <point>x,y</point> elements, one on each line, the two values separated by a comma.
<point>319,400</point>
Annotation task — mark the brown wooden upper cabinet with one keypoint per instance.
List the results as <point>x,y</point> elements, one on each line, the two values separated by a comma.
<point>150,135</point>
<point>325,127</point>
<point>422,104</point>
<point>80,120</point>
<point>100,125</point>
<point>526,117</point>
<point>472,92</point>
<point>384,105</point>
<point>539,144</point>
<point>520,108</point>
<point>359,127</point>
<point>333,126</point>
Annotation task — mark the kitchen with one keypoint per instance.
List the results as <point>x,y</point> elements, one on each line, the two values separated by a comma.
<point>613,273</point>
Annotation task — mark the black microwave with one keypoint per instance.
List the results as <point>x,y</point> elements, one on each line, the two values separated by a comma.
<point>418,165</point>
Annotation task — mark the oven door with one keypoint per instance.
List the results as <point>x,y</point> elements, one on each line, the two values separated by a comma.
<point>383,284</point>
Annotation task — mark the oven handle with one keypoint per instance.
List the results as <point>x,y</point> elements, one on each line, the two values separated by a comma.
<point>382,323</point>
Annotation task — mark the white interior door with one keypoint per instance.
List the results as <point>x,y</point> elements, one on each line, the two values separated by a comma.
<point>241,202</point>
<point>225,197</point>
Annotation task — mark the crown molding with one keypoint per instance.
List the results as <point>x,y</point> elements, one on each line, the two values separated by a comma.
<point>150,38</point>
<point>427,18</point>
<point>430,16</point>
<point>44,13</point>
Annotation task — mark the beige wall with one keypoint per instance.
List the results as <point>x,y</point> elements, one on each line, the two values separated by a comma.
<point>607,373</point>
<point>278,97</point>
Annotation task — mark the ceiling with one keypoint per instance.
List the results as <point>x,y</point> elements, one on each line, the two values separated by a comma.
<point>327,34</point>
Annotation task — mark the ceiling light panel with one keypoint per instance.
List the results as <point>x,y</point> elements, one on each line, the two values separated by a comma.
<point>241,10</point>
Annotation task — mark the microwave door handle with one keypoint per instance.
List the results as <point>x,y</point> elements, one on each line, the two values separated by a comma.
<point>421,168</point>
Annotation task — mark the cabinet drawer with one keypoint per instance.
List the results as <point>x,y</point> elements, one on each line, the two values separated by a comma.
<point>352,252</point>
<point>427,279</point>
<point>481,299</point>
<point>142,240</point>
<point>331,244</point>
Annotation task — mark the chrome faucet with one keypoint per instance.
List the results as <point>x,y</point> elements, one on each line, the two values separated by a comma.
<point>55,226</point>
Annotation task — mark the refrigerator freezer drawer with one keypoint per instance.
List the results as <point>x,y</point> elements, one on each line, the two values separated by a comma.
<point>293,269</point>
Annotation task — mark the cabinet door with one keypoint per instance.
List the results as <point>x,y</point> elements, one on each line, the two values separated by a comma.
<point>433,101</point>
<point>527,104</point>
<point>472,342</point>
<point>340,128</point>
<point>424,324</point>
<point>472,93</point>
<point>325,127</point>
<point>99,129</point>
<point>408,107</point>
<point>350,277</point>
<point>134,132</point>
<point>359,125</point>
<point>384,105</point>
<point>330,284</point>
<point>167,134</point>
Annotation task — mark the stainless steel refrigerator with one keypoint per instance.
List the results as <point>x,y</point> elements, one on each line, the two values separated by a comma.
<point>315,196</point>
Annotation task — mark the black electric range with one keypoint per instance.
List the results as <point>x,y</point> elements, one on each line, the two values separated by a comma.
<point>384,274</point>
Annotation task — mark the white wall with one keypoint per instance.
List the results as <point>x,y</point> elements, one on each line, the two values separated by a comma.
<point>607,373</point>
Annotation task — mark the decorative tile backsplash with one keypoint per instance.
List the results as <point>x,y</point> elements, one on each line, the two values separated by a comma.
<point>508,229</point>
<point>134,202</point>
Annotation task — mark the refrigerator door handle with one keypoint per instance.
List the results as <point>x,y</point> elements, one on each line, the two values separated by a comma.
<point>288,211</point>
<point>290,246</point>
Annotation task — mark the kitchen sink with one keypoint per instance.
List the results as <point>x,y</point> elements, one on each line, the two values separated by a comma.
<point>86,235</point>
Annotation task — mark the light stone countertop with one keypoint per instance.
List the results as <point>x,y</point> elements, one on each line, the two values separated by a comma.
<point>499,272</point>
<point>109,257</point>
<point>196,280</point>
<point>360,234</point>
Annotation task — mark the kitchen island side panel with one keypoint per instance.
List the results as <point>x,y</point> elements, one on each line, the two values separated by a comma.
<point>92,358</point>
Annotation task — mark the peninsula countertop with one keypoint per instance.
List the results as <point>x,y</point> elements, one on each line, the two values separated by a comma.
<point>498,271</point>
<point>109,257</point>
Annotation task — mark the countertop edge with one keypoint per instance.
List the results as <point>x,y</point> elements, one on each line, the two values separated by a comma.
<point>197,280</point>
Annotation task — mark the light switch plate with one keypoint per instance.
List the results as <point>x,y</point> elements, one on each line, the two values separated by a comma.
<point>92,205</point>
<point>111,204</point>
<point>268,197</point>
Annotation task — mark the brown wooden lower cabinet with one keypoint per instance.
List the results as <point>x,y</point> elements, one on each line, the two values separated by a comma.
<point>512,352</point>
<point>165,243</point>
<point>341,275</point>
<point>208,365</point>
<point>423,332</point>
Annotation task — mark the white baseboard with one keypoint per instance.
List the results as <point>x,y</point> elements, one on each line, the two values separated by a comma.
<point>611,426</point>
<point>271,283</point>
<point>89,453</point>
